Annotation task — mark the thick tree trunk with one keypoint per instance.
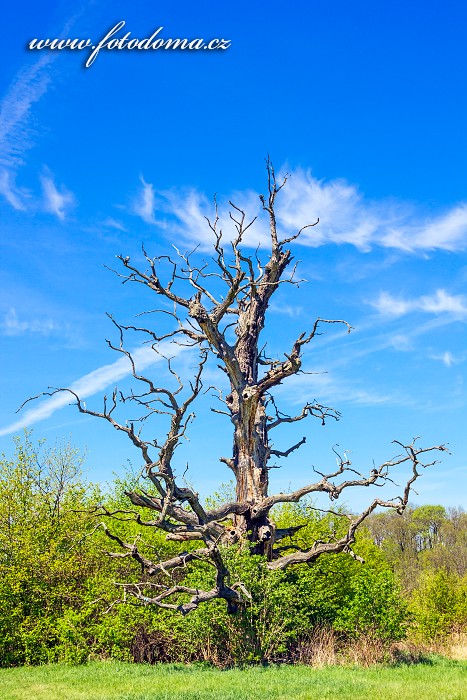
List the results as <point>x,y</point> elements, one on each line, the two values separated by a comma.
<point>250,455</point>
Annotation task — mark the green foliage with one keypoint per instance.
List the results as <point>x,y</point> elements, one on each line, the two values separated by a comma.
<point>439,605</point>
<point>225,494</point>
<point>58,593</point>
<point>374,607</point>
<point>428,522</point>
<point>44,562</point>
<point>285,606</point>
<point>270,619</point>
<point>427,549</point>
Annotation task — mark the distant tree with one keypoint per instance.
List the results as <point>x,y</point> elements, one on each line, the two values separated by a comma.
<point>220,308</point>
<point>450,551</point>
<point>34,486</point>
<point>44,561</point>
<point>428,521</point>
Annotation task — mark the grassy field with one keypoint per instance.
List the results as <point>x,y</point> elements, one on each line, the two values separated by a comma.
<point>438,680</point>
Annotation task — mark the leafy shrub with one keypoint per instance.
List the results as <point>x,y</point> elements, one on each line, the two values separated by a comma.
<point>374,607</point>
<point>439,605</point>
<point>57,590</point>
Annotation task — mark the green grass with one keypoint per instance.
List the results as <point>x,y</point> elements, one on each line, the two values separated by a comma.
<point>439,680</point>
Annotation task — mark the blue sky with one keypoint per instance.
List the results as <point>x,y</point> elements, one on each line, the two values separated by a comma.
<point>363,103</point>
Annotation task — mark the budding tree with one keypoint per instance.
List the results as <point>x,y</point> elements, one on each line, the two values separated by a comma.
<point>227,324</point>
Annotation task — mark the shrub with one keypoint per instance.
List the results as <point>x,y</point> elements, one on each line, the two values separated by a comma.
<point>439,605</point>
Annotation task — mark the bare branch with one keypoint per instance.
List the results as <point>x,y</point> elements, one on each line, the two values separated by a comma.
<point>293,363</point>
<point>310,409</point>
<point>376,476</point>
<point>278,453</point>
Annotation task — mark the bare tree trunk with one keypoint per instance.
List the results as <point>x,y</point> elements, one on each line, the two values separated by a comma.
<point>250,456</point>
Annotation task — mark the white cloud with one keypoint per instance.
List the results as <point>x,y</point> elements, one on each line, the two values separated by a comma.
<point>15,131</point>
<point>14,195</point>
<point>90,384</point>
<point>387,305</point>
<point>346,217</point>
<point>448,359</point>
<point>330,389</point>
<point>13,326</point>
<point>56,201</point>
<point>145,204</point>
<point>401,342</point>
<point>446,232</point>
<point>110,222</point>
<point>441,302</point>
<point>286,309</point>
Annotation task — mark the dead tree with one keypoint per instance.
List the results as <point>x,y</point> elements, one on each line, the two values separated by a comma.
<point>227,324</point>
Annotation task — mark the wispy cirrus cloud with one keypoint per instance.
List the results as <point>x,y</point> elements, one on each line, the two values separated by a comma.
<point>29,325</point>
<point>147,203</point>
<point>110,222</point>
<point>346,217</point>
<point>16,129</point>
<point>89,385</point>
<point>57,200</point>
<point>144,203</point>
<point>12,325</point>
<point>440,302</point>
<point>287,310</point>
<point>448,358</point>
<point>15,196</point>
<point>447,231</point>
<point>331,389</point>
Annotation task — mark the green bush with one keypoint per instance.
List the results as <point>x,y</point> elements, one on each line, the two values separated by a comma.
<point>58,593</point>
<point>374,607</point>
<point>439,605</point>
